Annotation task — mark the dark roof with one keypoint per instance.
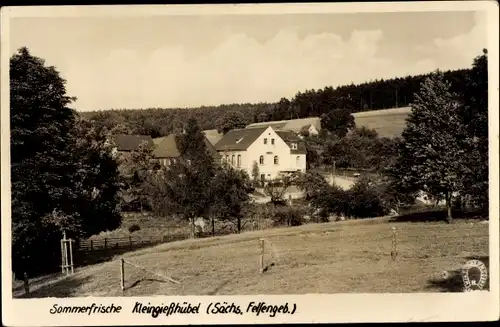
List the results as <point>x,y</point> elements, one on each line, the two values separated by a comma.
<point>131,142</point>
<point>290,137</point>
<point>167,148</point>
<point>239,139</point>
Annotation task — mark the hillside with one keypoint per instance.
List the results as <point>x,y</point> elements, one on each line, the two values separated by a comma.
<point>387,122</point>
<point>316,258</point>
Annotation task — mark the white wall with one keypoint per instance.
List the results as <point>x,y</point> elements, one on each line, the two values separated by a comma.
<point>269,151</point>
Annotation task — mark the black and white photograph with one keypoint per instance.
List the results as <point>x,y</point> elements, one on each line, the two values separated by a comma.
<point>241,152</point>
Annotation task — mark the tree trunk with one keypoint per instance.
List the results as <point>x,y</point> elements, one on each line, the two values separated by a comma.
<point>213,226</point>
<point>193,229</point>
<point>448,207</point>
<point>238,224</point>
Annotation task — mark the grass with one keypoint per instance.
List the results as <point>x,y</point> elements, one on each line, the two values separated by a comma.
<point>343,257</point>
<point>387,123</point>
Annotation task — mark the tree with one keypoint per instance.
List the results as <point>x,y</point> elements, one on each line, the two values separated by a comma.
<point>230,120</point>
<point>62,175</point>
<point>123,129</point>
<point>138,170</point>
<point>338,122</point>
<point>474,116</point>
<point>255,172</point>
<point>432,147</point>
<point>185,186</point>
<point>230,189</point>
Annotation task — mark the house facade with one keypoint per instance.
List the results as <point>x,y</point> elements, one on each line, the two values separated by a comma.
<point>275,153</point>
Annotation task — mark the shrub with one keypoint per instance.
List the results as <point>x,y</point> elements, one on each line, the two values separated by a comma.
<point>288,216</point>
<point>364,201</point>
<point>134,227</point>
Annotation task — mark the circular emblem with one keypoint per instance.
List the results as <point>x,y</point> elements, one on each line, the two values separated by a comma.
<point>474,275</point>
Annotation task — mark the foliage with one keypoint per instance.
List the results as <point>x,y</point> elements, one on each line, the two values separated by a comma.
<point>184,187</point>
<point>378,94</point>
<point>230,120</point>
<point>338,122</point>
<point>288,216</point>
<point>137,171</point>
<point>474,116</point>
<point>364,201</point>
<point>433,142</point>
<point>276,189</point>
<point>62,172</point>
<point>133,228</point>
<point>230,190</point>
<point>255,171</point>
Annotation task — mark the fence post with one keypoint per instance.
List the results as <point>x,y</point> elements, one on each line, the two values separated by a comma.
<point>130,240</point>
<point>261,241</point>
<point>394,252</point>
<point>91,245</point>
<point>26,284</point>
<point>122,274</point>
<point>71,255</point>
<point>105,242</point>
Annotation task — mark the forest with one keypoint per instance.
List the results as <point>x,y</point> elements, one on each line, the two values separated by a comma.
<point>375,95</point>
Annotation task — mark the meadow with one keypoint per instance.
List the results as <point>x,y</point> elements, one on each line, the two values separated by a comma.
<point>386,122</point>
<point>338,257</point>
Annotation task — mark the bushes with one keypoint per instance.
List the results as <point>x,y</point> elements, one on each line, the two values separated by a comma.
<point>134,227</point>
<point>361,201</point>
<point>288,216</point>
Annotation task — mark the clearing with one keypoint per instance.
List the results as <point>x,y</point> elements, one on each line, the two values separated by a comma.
<point>341,257</point>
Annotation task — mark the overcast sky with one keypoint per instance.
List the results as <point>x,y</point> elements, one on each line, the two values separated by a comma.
<point>186,61</point>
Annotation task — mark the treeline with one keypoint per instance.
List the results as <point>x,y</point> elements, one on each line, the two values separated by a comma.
<point>379,94</point>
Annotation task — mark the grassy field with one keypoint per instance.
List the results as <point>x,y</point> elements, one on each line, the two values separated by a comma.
<point>387,122</point>
<point>350,256</point>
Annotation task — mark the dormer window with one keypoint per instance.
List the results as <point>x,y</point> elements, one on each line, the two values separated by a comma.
<point>239,140</point>
<point>294,146</point>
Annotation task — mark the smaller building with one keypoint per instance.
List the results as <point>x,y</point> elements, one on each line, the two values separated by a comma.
<point>311,125</point>
<point>125,144</point>
<point>213,136</point>
<point>167,149</point>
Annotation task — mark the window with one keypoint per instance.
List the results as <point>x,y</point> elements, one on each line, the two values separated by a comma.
<point>232,159</point>
<point>262,177</point>
<point>265,141</point>
<point>276,161</point>
<point>261,160</point>
<point>227,158</point>
<point>272,141</point>
<point>297,160</point>
<point>294,146</point>
<point>239,160</point>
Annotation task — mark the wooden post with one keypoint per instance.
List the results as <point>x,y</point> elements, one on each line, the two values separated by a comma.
<point>130,240</point>
<point>26,284</point>
<point>261,241</point>
<point>71,255</point>
<point>91,245</point>
<point>105,242</point>
<point>122,274</point>
<point>62,256</point>
<point>394,252</point>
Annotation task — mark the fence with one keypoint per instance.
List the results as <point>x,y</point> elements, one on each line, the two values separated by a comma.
<point>125,242</point>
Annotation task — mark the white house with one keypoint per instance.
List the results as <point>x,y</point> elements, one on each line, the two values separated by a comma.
<point>311,125</point>
<point>275,152</point>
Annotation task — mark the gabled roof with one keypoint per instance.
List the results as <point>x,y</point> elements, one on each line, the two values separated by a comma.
<point>168,147</point>
<point>131,142</point>
<point>213,136</point>
<point>294,125</point>
<point>239,139</point>
<point>290,137</point>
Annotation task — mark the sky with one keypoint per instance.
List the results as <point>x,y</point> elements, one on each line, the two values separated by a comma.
<point>190,61</point>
